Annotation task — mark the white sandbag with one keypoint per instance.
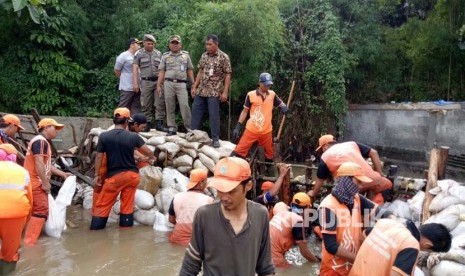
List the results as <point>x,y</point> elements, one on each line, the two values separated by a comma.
<point>147,135</point>
<point>156,141</point>
<point>145,217</point>
<point>400,209</point>
<point>418,272</point>
<point>158,202</point>
<point>227,145</point>
<point>183,160</point>
<point>223,152</point>
<point>161,223</point>
<point>458,230</point>
<point>171,148</point>
<point>172,178</point>
<point>419,183</point>
<point>189,145</point>
<point>459,192</point>
<point>191,152</point>
<point>184,169</point>
<point>95,141</point>
<point>199,165</point>
<point>87,202</point>
<point>67,190</point>
<point>150,179</point>
<point>441,202</point>
<point>116,207</point>
<point>211,153</point>
<point>416,205</point>
<point>165,198</point>
<point>458,242</point>
<point>448,268</point>
<point>144,199</point>
<point>208,162</point>
<point>56,220</point>
<point>96,131</point>
<point>174,139</point>
<point>450,217</point>
<point>198,136</point>
<point>446,184</point>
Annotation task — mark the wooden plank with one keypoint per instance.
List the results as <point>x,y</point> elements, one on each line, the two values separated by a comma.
<point>80,176</point>
<point>431,183</point>
<point>442,162</point>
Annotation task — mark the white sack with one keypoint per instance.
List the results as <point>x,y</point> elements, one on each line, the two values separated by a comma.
<point>189,145</point>
<point>199,165</point>
<point>208,162</point>
<point>400,209</point>
<point>174,179</point>
<point>144,199</point>
<point>56,220</point>
<point>458,230</point>
<point>416,205</point>
<point>183,160</point>
<point>450,217</point>
<point>156,141</point>
<point>459,192</point>
<point>165,198</point>
<point>191,152</point>
<point>145,217</point>
<point>211,153</point>
<point>161,223</point>
<point>171,148</point>
<point>448,268</point>
<point>198,136</point>
<point>184,169</point>
<point>441,202</point>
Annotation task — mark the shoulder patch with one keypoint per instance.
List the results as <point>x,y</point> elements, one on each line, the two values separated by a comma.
<point>184,52</point>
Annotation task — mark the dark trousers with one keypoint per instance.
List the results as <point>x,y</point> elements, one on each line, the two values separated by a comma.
<point>202,104</point>
<point>130,100</point>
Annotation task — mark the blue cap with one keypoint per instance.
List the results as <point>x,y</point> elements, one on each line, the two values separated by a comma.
<point>265,78</point>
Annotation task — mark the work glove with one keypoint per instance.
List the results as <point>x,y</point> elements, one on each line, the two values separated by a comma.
<point>285,110</point>
<point>237,131</point>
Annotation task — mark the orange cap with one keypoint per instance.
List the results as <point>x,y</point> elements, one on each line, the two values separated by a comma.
<point>50,122</point>
<point>229,172</point>
<point>324,140</point>
<point>280,207</point>
<point>352,169</point>
<point>8,148</point>
<point>122,112</point>
<point>196,176</point>
<point>302,199</point>
<point>267,185</point>
<point>12,119</point>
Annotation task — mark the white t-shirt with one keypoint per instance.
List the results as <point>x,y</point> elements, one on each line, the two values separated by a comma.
<point>124,64</point>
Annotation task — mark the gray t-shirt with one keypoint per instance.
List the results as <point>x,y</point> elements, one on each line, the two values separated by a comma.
<point>215,246</point>
<point>124,64</point>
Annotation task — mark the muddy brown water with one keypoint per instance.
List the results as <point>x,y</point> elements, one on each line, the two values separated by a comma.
<point>135,251</point>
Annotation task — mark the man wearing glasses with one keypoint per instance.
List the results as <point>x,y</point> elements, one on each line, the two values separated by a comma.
<point>175,70</point>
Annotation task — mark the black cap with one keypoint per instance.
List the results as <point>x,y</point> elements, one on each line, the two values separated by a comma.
<point>133,40</point>
<point>139,118</point>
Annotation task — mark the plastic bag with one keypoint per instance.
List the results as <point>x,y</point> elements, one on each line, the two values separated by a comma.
<point>150,179</point>
<point>145,217</point>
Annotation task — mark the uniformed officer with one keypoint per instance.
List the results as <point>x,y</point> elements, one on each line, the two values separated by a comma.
<point>147,61</point>
<point>175,70</point>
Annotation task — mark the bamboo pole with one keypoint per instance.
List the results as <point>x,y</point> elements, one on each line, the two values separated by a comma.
<point>291,95</point>
<point>431,183</point>
<point>442,163</point>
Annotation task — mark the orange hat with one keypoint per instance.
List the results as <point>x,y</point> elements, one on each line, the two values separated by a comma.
<point>196,176</point>
<point>229,172</point>
<point>12,119</point>
<point>302,199</point>
<point>8,148</point>
<point>280,207</point>
<point>50,122</point>
<point>122,112</point>
<point>352,169</point>
<point>267,185</point>
<point>324,140</point>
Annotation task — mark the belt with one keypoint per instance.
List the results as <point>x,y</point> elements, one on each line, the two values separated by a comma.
<point>175,80</point>
<point>150,78</point>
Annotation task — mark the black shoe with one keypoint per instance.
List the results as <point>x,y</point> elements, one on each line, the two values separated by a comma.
<point>171,131</point>
<point>159,126</point>
<point>216,144</point>
<point>98,223</point>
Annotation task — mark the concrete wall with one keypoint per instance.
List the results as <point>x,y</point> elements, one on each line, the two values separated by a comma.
<point>408,128</point>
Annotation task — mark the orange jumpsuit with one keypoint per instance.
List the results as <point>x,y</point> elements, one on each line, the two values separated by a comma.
<point>15,208</point>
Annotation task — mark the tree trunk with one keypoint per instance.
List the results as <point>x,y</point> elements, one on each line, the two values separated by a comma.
<point>432,182</point>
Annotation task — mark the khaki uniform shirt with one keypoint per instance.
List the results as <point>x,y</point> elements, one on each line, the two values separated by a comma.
<point>148,62</point>
<point>176,65</point>
<point>215,68</point>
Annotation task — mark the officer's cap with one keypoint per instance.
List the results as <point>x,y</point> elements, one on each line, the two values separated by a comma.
<point>149,37</point>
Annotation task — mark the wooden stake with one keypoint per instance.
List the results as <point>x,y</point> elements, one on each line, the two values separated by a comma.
<point>442,163</point>
<point>431,183</point>
<point>285,191</point>
<point>291,94</point>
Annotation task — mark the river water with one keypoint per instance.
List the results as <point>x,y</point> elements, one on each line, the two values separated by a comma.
<point>114,251</point>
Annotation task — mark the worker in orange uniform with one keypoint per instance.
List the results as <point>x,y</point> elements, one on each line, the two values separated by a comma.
<point>342,214</point>
<point>393,245</point>
<point>137,124</point>
<point>122,173</point>
<point>15,207</point>
<point>270,191</point>
<point>9,126</point>
<point>334,154</point>
<point>289,227</point>
<point>184,205</point>
<point>39,165</point>
<point>259,104</point>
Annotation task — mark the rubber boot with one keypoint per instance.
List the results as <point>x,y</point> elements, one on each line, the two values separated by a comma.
<point>98,223</point>
<point>148,127</point>
<point>33,229</point>
<point>7,267</point>
<point>126,220</point>
<point>159,126</point>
